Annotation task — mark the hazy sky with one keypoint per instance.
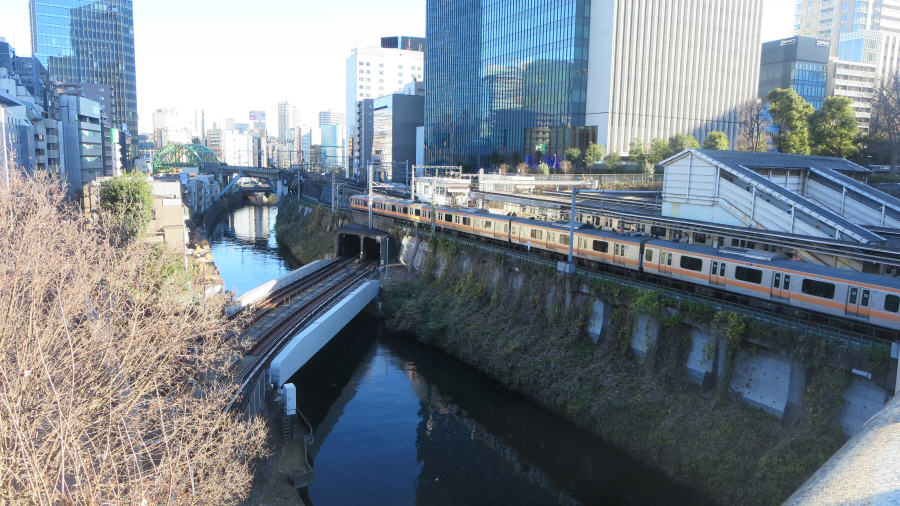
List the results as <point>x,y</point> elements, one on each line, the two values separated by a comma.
<point>228,57</point>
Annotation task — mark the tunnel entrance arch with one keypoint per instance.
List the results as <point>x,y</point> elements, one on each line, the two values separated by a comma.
<point>362,242</point>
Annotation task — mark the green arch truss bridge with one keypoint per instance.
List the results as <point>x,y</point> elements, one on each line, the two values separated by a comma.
<point>183,156</point>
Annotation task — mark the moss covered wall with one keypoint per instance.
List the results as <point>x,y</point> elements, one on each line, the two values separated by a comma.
<point>306,229</point>
<point>635,373</point>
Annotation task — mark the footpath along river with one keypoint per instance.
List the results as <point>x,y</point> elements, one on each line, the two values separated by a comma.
<point>399,423</point>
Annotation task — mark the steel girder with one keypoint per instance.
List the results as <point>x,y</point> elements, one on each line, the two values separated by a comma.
<point>181,156</point>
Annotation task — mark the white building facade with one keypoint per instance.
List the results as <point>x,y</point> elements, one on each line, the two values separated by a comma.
<point>662,67</point>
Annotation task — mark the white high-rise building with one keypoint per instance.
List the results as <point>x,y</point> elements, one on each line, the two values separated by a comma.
<point>374,72</point>
<point>288,117</point>
<point>829,19</point>
<point>330,117</point>
<point>662,67</point>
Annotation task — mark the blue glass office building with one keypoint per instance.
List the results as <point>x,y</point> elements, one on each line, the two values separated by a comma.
<point>89,41</point>
<point>507,76</point>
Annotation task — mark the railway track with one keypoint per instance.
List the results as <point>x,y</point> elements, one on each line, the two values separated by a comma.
<point>310,296</point>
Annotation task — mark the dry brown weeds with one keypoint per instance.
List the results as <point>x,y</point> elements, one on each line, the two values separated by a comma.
<point>108,363</point>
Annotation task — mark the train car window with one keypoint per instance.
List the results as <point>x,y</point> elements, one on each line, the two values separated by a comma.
<point>722,269</point>
<point>892,303</point>
<point>715,268</point>
<point>777,282</point>
<point>787,283</point>
<point>393,209</point>
<point>748,275</point>
<point>669,262</point>
<point>721,242</point>
<point>505,228</point>
<point>405,210</point>
<point>691,263</point>
<point>448,218</point>
<point>467,221</point>
<point>817,288</point>
<point>418,212</point>
<point>616,253</point>
<point>537,234</point>
<point>601,246</point>
<point>648,256</point>
<point>864,302</point>
<point>564,239</point>
<point>487,224</point>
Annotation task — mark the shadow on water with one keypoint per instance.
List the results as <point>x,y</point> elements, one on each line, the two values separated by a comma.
<point>397,422</point>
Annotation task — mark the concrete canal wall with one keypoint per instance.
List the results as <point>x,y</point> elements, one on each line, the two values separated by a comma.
<point>742,409</point>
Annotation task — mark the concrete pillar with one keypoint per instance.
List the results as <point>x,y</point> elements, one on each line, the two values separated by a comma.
<point>280,189</point>
<point>796,386</point>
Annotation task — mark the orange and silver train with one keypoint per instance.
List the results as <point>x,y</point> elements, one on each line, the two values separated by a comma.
<point>763,275</point>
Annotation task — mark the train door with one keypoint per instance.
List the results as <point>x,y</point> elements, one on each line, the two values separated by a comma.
<point>717,273</point>
<point>619,254</point>
<point>781,286</point>
<point>665,262</point>
<point>858,300</point>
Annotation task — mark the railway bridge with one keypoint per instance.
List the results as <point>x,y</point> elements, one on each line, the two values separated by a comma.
<point>288,320</point>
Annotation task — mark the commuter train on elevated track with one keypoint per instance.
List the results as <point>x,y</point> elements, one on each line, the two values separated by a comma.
<point>763,275</point>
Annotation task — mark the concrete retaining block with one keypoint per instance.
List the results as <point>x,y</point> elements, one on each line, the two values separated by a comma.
<point>421,256</point>
<point>408,248</point>
<point>762,380</point>
<point>864,400</point>
<point>700,360</point>
<point>599,319</point>
<point>645,335</point>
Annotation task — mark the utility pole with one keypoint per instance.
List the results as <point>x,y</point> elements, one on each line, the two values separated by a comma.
<point>371,218</point>
<point>412,184</point>
<point>332,192</point>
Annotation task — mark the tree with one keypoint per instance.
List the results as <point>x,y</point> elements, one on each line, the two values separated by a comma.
<point>504,168</point>
<point>614,161</point>
<point>636,150</point>
<point>565,166</point>
<point>495,158</point>
<point>593,154</point>
<point>542,169</point>
<point>515,159</point>
<point>833,129</point>
<point>573,155</point>
<point>129,200</point>
<point>659,151</point>
<point>116,370</point>
<point>538,156</point>
<point>791,113</point>
<point>522,168</point>
<point>681,142</point>
<point>753,124</point>
<point>717,141</point>
<point>886,116</point>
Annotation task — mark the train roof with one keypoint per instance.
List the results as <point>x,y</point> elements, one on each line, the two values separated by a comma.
<point>778,261</point>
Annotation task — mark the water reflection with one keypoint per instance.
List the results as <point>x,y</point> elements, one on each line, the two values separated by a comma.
<point>398,423</point>
<point>245,248</point>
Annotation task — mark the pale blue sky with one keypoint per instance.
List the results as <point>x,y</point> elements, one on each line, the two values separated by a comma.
<point>232,56</point>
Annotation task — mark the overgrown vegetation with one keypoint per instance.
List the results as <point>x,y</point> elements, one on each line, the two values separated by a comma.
<point>511,320</point>
<point>109,361</point>
<point>129,200</point>
<point>306,230</point>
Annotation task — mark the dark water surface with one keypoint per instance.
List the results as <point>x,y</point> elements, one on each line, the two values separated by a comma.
<point>398,423</point>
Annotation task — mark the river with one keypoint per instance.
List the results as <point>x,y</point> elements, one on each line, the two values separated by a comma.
<point>399,423</point>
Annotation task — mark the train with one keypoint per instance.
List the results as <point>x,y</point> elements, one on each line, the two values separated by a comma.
<point>764,275</point>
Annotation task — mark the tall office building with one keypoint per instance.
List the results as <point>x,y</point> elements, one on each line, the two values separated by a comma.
<point>288,118</point>
<point>517,75</point>
<point>829,19</point>
<point>92,42</point>
<point>331,117</point>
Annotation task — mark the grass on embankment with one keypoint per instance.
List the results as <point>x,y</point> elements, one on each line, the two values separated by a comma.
<point>525,338</point>
<point>307,230</point>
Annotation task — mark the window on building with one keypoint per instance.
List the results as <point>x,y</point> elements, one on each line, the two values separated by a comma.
<point>818,288</point>
<point>361,64</point>
<point>381,64</point>
<point>381,72</point>
<point>361,87</point>
<point>400,66</point>
<point>367,64</point>
<point>362,71</point>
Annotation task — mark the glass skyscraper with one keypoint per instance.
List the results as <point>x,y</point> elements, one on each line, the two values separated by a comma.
<point>91,42</point>
<point>507,76</point>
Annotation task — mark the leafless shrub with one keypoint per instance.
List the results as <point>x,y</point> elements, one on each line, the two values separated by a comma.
<point>565,166</point>
<point>522,168</point>
<point>504,168</point>
<point>108,368</point>
<point>885,121</point>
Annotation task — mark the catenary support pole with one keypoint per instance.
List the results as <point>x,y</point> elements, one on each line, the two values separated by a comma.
<point>371,218</point>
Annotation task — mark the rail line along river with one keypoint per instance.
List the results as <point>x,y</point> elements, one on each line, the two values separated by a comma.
<point>399,423</point>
